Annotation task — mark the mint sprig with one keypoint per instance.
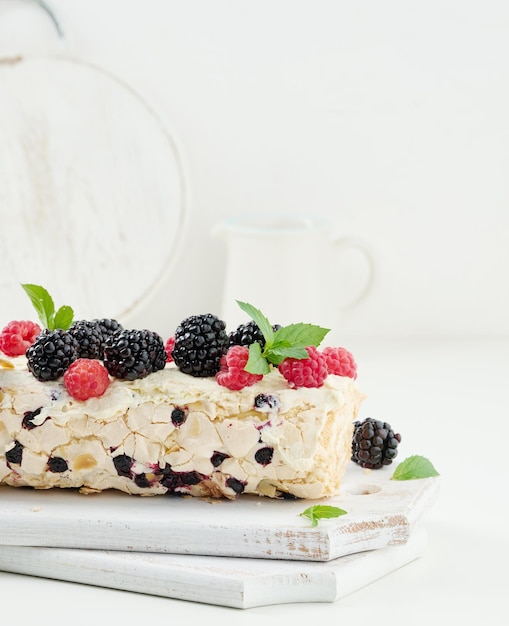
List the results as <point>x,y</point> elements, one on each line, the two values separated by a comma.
<point>286,342</point>
<point>322,511</point>
<point>414,467</point>
<point>45,308</point>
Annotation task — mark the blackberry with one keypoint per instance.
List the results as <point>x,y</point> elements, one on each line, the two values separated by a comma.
<point>57,464</point>
<point>142,481</point>
<point>237,485</point>
<point>89,337</point>
<point>264,455</point>
<point>246,334</point>
<point>178,416</point>
<point>123,464</point>
<point>133,354</point>
<point>218,457</point>
<point>107,327</point>
<point>180,482</point>
<point>15,454</point>
<point>266,402</point>
<point>51,354</point>
<point>374,443</point>
<point>200,342</point>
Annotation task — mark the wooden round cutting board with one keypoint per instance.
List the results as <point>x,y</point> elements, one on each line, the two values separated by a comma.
<point>91,189</point>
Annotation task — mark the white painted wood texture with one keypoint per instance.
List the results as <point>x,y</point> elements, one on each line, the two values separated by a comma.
<point>92,196</point>
<point>231,582</point>
<point>380,512</point>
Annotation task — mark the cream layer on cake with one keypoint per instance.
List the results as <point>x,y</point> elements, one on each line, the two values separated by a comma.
<point>172,433</point>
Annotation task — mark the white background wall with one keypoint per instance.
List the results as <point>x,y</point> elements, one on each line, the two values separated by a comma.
<point>390,118</point>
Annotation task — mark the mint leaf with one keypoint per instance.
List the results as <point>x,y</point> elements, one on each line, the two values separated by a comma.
<point>277,355</point>
<point>260,320</point>
<point>414,467</point>
<point>45,307</point>
<point>322,511</point>
<point>256,363</point>
<point>63,317</point>
<point>299,336</point>
<point>42,303</point>
<point>287,342</point>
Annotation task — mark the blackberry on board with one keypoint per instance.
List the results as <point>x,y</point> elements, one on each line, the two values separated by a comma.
<point>200,342</point>
<point>51,354</point>
<point>89,338</point>
<point>248,333</point>
<point>374,443</point>
<point>133,354</point>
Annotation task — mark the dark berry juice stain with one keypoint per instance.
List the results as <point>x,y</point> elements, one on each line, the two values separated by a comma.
<point>218,457</point>
<point>123,464</point>
<point>235,484</point>
<point>28,419</point>
<point>178,416</point>
<point>15,454</point>
<point>263,456</point>
<point>57,464</point>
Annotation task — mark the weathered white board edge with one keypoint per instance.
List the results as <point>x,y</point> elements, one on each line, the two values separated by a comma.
<point>381,512</point>
<point>231,582</point>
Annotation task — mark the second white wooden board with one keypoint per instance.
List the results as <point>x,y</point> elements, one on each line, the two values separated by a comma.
<point>232,582</point>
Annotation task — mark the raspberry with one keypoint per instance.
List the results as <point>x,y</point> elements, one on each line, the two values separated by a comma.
<point>168,346</point>
<point>86,378</point>
<point>231,369</point>
<point>310,372</point>
<point>18,336</point>
<point>340,362</point>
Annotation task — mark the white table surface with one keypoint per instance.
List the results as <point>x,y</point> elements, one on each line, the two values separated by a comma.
<point>449,400</point>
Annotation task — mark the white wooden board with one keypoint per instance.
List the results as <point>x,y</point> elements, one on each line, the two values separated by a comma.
<point>240,583</point>
<point>380,512</point>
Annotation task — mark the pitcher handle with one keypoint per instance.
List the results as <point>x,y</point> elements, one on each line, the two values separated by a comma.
<point>356,244</point>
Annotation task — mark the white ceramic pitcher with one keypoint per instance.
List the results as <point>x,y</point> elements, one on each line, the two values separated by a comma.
<point>288,268</point>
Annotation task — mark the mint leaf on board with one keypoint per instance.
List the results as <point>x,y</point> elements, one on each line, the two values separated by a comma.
<point>414,467</point>
<point>42,303</point>
<point>45,308</point>
<point>322,511</point>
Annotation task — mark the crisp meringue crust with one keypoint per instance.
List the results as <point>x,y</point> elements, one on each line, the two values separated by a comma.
<point>130,439</point>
